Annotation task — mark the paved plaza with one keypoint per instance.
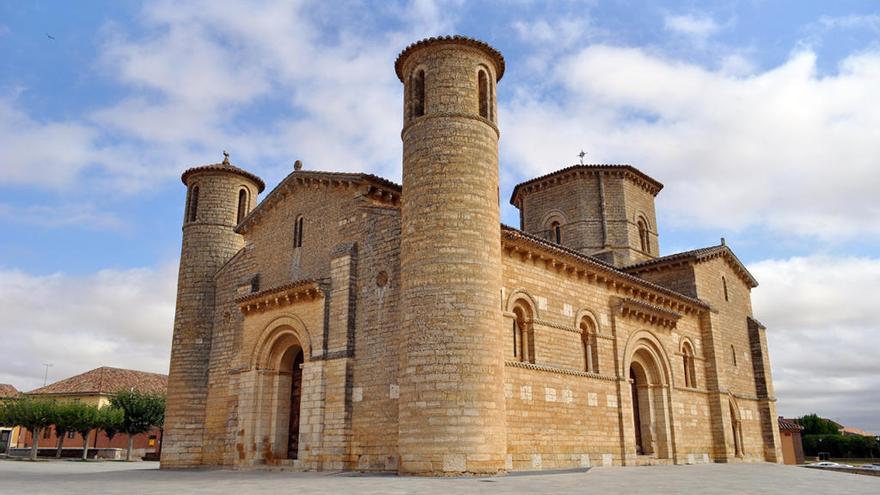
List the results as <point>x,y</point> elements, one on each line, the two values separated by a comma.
<point>77,478</point>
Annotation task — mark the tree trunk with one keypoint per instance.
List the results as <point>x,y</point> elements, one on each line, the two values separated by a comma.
<point>36,434</point>
<point>86,444</point>
<point>60,444</point>
<point>130,447</point>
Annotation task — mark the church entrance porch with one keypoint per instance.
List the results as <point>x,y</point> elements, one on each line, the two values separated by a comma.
<point>650,438</point>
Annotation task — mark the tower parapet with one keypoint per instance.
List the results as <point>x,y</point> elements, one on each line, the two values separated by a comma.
<point>450,348</point>
<point>218,197</point>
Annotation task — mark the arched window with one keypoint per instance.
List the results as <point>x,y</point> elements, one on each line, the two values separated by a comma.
<point>556,232</point>
<point>483,89</point>
<point>690,375</point>
<point>417,85</point>
<point>491,102</point>
<point>724,284</point>
<point>644,240</point>
<point>591,347</point>
<point>523,336</point>
<point>193,207</point>
<point>733,355</point>
<point>298,232</point>
<point>242,205</point>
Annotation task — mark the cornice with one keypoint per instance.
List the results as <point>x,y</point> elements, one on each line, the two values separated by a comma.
<point>283,295</point>
<point>648,313</point>
<point>571,263</point>
<point>573,172</point>
<point>378,190</point>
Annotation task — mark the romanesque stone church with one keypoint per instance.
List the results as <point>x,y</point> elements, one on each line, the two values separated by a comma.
<point>345,322</point>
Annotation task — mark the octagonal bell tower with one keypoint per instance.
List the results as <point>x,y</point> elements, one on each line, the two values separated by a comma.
<point>451,411</point>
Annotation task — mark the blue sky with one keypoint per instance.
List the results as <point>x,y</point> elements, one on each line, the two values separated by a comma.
<point>761,118</point>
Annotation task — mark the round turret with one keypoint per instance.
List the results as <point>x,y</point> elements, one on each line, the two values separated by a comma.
<point>218,197</point>
<point>451,410</point>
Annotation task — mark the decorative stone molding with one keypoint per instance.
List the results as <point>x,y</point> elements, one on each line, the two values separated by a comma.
<point>648,313</point>
<point>284,295</point>
<point>556,369</point>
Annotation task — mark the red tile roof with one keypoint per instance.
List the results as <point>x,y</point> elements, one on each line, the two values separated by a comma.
<point>789,424</point>
<point>7,390</point>
<point>106,380</point>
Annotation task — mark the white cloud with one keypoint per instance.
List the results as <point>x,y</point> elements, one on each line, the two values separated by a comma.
<point>71,214</point>
<point>783,149</point>
<point>198,73</point>
<point>120,318</point>
<point>697,26</point>
<point>820,313</point>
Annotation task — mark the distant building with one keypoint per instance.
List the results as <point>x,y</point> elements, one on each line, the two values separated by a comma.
<point>851,430</point>
<point>792,446</point>
<point>96,387</point>
<point>7,434</point>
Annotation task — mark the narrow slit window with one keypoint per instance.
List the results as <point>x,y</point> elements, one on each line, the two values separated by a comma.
<point>242,205</point>
<point>515,339</point>
<point>724,285</point>
<point>483,83</point>
<point>194,204</point>
<point>298,232</point>
<point>417,82</point>
<point>556,232</point>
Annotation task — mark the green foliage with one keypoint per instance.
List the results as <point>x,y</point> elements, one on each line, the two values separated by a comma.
<point>141,411</point>
<point>33,414</point>
<point>84,418</point>
<point>814,425</point>
<point>849,446</point>
<point>64,418</point>
<point>110,420</point>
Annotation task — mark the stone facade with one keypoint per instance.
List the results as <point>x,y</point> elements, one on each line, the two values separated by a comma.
<point>349,323</point>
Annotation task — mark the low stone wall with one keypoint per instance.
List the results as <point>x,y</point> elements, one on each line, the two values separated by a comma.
<point>108,454</point>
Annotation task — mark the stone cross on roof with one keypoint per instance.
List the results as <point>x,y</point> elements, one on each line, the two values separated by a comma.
<point>582,154</point>
<point>225,157</point>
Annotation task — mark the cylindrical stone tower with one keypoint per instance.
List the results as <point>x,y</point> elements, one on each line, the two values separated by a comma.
<point>218,197</point>
<point>451,409</point>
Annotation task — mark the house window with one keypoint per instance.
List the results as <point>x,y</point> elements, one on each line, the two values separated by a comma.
<point>298,232</point>
<point>242,205</point>
<point>591,348</point>
<point>483,89</point>
<point>417,85</point>
<point>71,434</point>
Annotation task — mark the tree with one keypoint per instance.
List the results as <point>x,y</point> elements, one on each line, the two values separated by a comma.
<point>110,420</point>
<point>64,419</point>
<point>33,414</point>
<point>85,419</point>
<point>815,425</point>
<point>141,413</point>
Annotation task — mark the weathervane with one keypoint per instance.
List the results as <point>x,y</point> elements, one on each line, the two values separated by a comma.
<point>582,154</point>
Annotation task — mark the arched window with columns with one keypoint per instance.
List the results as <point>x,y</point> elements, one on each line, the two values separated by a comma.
<point>523,334</point>
<point>590,343</point>
<point>687,357</point>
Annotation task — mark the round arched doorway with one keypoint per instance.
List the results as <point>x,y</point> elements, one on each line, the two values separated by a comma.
<point>650,403</point>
